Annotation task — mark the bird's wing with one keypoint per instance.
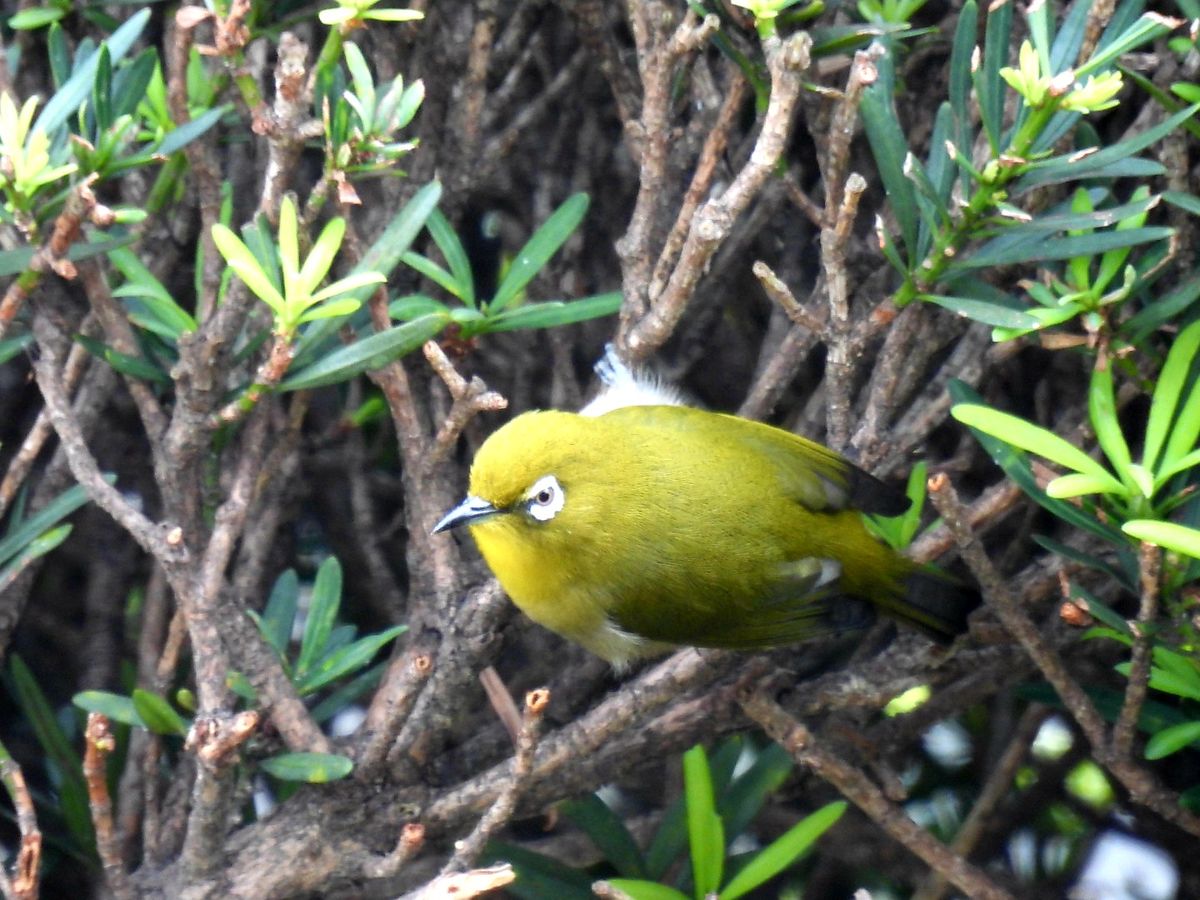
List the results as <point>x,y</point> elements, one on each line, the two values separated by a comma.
<point>810,473</point>
<point>803,602</point>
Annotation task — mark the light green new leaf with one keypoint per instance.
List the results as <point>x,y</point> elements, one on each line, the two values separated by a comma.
<point>242,261</point>
<point>1102,410</point>
<point>706,835</point>
<point>1034,439</point>
<point>1175,537</point>
<point>1077,485</point>
<point>314,768</point>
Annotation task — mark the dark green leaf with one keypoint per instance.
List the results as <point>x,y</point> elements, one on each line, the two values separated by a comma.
<point>345,660</point>
<point>13,262</point>
<point>960,76</point>
<point>347,693</point>
<point>539,249</point>
<point>314,768</point>
<point>322,611</point>
<point>102,91</point>
<point>133,366</point>
<point>539,877</point>
<point>444,236</point>
<point>67,98</point>
<point>553,313</point>
<point>1020,247</point>
<point>373,352</point>
<point>608,833</point>
<point>157,713</point>
<point>412,306</point>
<point>1162,311</point>
<point>433,272</point>
<point>131,81</point>
<point>180,137</point>
<point>989,86</point>
<point>280,614</point>
<point>21,533</point>
<point>1187,202</point>
<point>889,149</point>
<point>744,798</point>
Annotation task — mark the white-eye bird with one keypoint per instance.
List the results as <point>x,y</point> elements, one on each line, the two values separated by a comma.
<point>640,524</point>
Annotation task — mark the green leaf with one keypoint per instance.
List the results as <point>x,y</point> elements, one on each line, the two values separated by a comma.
<point>347,659</point>
<point>133,366</point>
<point>706,836</point>
<point>646,890</point>
<point>383,256</point>
<point>608,832</point>
<point>116,707</point>
<point>889,149</point>
<point>1030,437</point>
<point>1172,740</point>
<point>158,714</point>
<point>1102,410</point>
<point>1175,537</point>
<point>539,877</point>
<point>178,138</point>
<point>412,306</point>
<point>322,611</point>
<point>35,17</point>
<point>783,851</point>
<point>373,352</point>
<point>314,768</point>
<point>1019,246</point>
<point>102,91</point>
<point>433,272</point>
<point>985,311</point>
<point>1162,311</point>
<point>553,313</point>
<point>455,254</point>
<point>341,697</point>
<point>13,262</point>
<point>538,250</point>
<point>66,99</point>
<point>960,75</point>
<point>280,613</point>
<point>39,715</point>
<point>988,83</point>
<point>1078,485</point>
<point>1168,390</point>
<point>169,319</point>
<point>242,261</point>
<point>744,798</point>
<point>21,533</point>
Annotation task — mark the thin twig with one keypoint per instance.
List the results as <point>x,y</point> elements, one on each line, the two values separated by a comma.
<point>27,871</point>
<point>1143,787</point>
<point>1150,567</point>
<point>98,744</point>
<point>470,398</point>
<point>502,809</point>
<point>858,789</point>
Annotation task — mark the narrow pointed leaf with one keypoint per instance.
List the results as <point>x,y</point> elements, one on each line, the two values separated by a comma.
<point>373,352</point>
<point>313,768</point>
<point>1175,537</point>
<point>783,851</point>
<point>347,659</point>
<point>157,713</point>
<point>545,242</point>
<point>322,610</point>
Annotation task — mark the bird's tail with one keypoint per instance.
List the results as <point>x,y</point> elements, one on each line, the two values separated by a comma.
<point>936,603</point>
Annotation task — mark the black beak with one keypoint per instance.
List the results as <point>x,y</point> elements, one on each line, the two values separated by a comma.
<point>473,509</point>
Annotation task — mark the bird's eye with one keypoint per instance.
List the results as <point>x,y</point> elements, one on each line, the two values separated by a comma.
<point>545,499</point>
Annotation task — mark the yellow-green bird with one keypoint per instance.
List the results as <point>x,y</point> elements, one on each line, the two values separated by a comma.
<point>641,524</point>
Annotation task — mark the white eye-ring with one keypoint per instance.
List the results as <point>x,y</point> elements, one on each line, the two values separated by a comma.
<point>545,498</point>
